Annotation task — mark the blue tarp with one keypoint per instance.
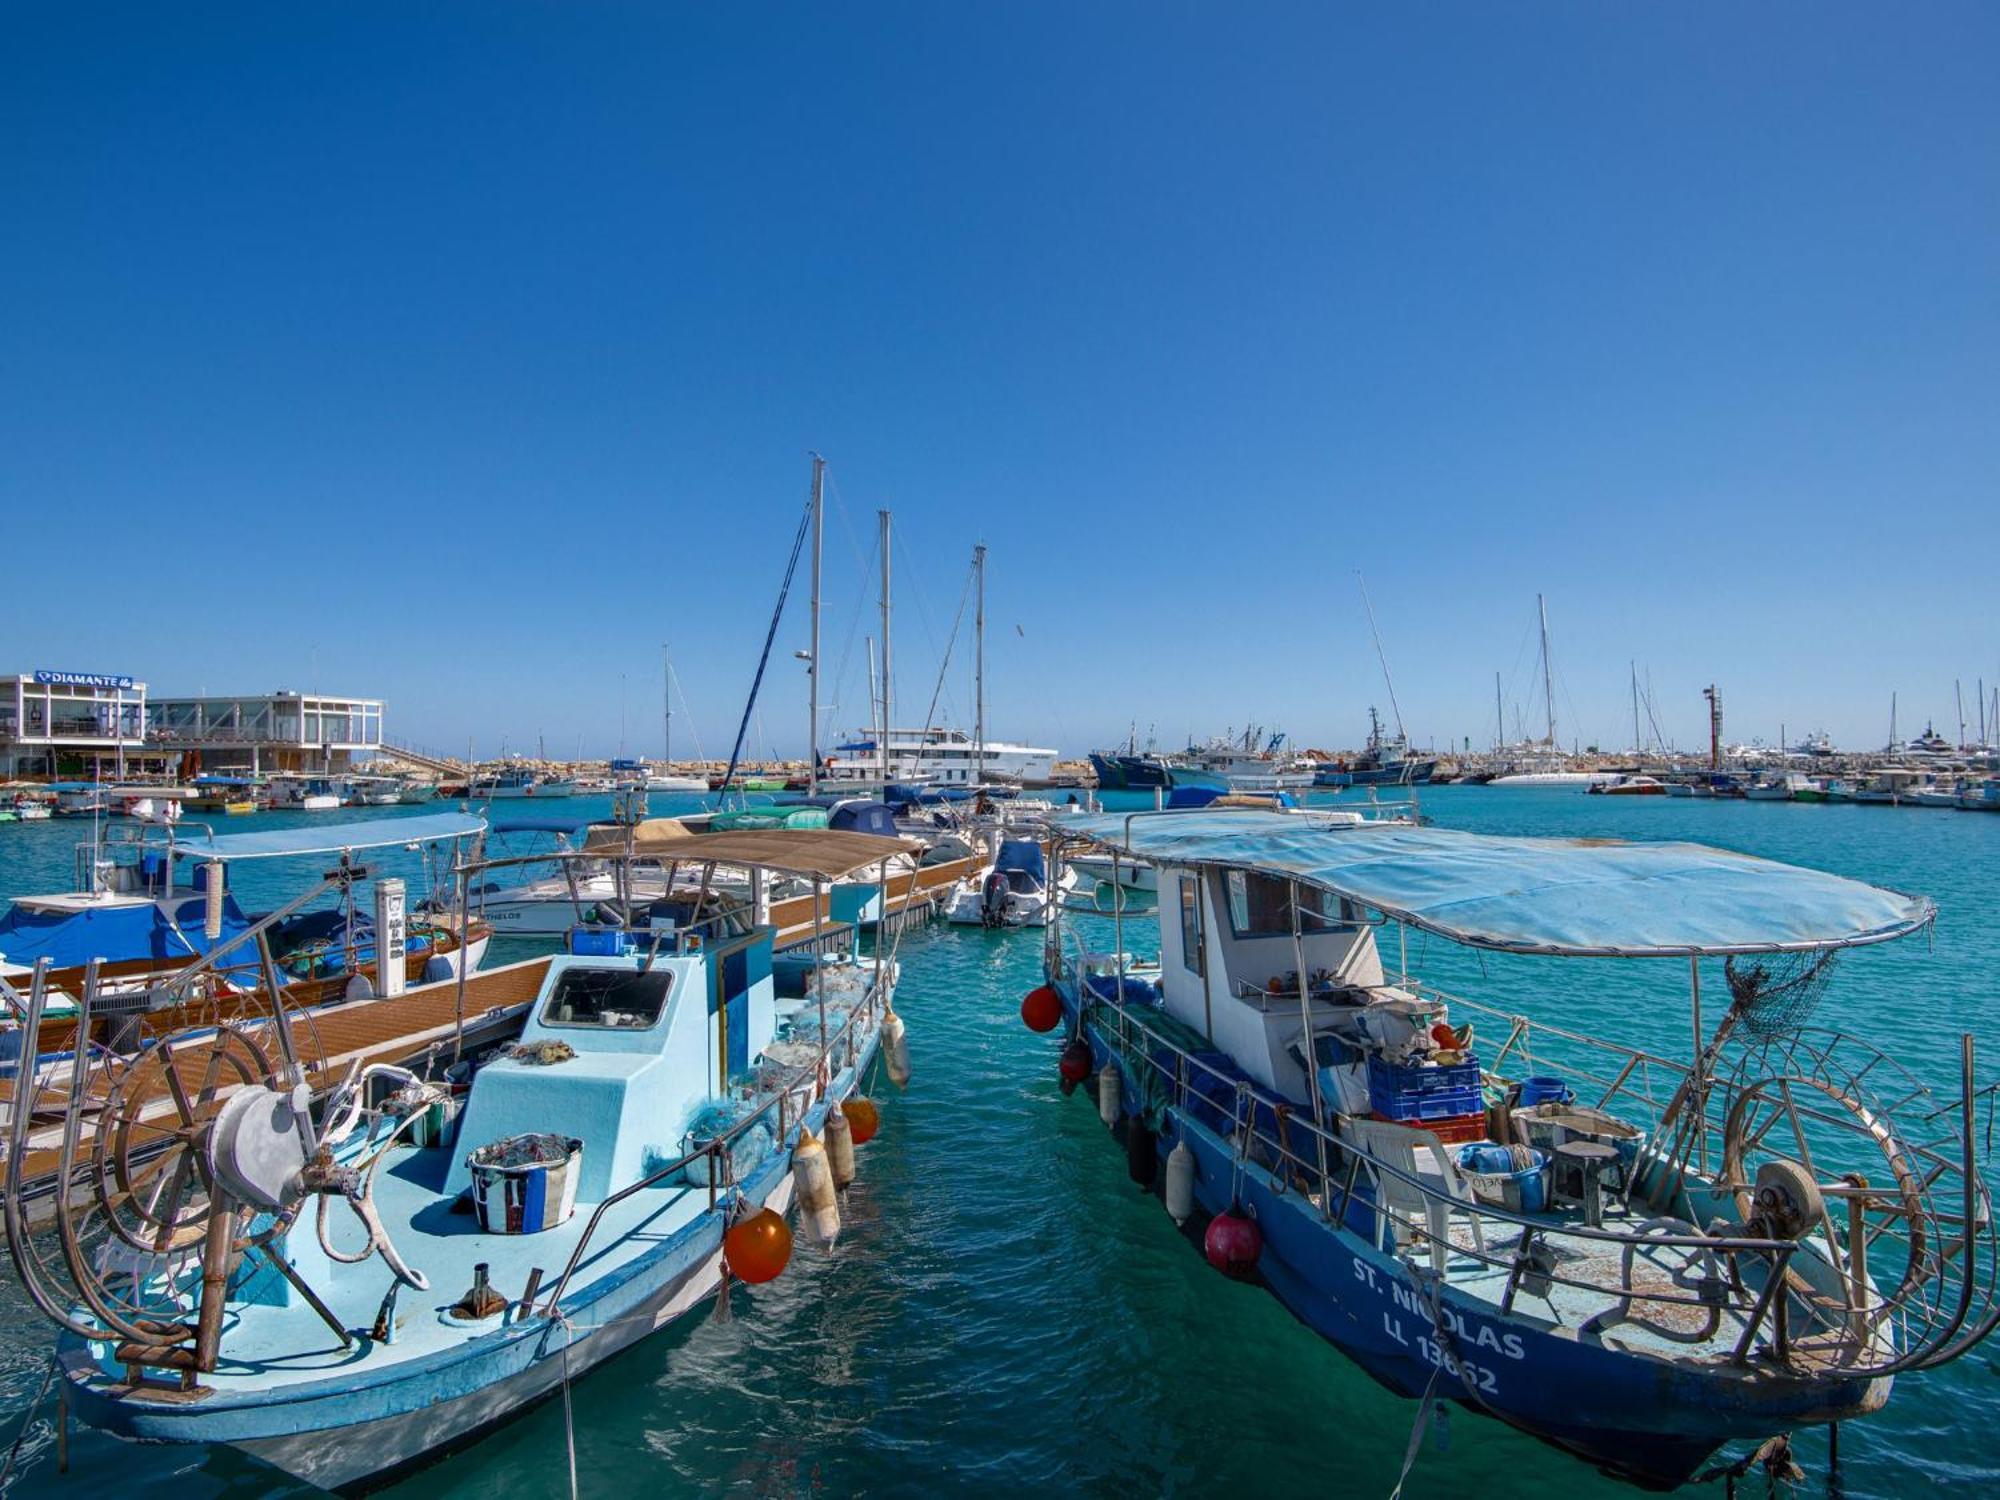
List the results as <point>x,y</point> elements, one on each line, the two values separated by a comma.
<point>1562,896</point>
<point>864,817</point>
<point>331,838</point>
<point>115,933</point>
<point>1021,854</point>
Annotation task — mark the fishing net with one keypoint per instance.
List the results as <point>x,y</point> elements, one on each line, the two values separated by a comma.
<point>1775,994</point>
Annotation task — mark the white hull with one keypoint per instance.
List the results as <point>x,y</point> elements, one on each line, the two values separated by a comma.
<point>1552,778</point>
<point>676,784</point>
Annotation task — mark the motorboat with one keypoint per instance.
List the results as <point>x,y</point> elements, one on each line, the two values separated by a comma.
<point>1778,787</point>
<point>1012,892</point>
<point>938,756</point>
<point>232,796</point>
<point>631,1156</point>
<point>1629,786</point>
<point>1890,784</point>
<point>374,791</point>
<point>1637,1260</point>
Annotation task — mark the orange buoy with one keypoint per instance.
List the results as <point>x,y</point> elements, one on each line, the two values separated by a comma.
<point>1041,1008</point>
<point>759,1247</point>
<point>863,1118</point>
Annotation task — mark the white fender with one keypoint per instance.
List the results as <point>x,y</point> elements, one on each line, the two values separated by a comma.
<point>1108,1094</point>
<point>1180,1182</point>
<point>812,1185</point>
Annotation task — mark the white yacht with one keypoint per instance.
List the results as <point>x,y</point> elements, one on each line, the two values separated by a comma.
<point>942,757</point>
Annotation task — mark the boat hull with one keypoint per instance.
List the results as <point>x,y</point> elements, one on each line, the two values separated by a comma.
<point>1648,1420</point>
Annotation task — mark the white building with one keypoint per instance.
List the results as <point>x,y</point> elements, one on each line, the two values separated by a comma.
<point>56,723</point>
<point>281,731</point>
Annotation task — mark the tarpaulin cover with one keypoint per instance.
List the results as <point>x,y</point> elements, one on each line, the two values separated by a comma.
<point>1533,895</point>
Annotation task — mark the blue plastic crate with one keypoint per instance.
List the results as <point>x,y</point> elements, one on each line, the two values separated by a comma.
<point>1401,1093</point>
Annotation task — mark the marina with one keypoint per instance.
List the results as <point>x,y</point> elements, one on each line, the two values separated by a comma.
<point>1131,753</point>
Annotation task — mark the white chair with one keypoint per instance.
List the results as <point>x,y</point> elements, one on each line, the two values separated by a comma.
<point>1403,1207</point>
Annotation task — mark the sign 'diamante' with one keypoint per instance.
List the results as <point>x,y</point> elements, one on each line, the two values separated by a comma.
<point>82,679</point>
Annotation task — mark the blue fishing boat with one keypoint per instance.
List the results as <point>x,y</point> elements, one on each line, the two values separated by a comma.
<point>630,1154</point>
<point>1129,771</point>
<point>1635,1259</point>
<point>1386,761</point>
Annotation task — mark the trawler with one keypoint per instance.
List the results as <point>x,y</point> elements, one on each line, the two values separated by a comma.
<point>502,1232</point>
<point>1635,1258</point>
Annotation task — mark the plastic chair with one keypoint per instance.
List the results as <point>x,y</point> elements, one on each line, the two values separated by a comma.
<point>1405,1206</point>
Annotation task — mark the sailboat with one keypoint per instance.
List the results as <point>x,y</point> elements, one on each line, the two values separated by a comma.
<point>1542,762</point>
<point>665,779</point>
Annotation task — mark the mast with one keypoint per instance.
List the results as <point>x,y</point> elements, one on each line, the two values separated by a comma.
<point>812,661</point>
<point>1499,717</point>
<point>1959,693</point>
<point>979,664</point>
<point>1636,750</point>
<point>886,709</point>
<point>1382,656</point>
<point>1548,677</point>
<point>666,705</point>
<point>1892,720</point>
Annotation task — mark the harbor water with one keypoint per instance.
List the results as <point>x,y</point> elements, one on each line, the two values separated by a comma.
<point>1005,1312</point>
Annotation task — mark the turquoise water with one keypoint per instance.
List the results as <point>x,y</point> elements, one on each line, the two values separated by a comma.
<point>1005,1311</point>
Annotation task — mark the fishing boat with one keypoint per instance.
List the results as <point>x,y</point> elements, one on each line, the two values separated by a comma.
<point>1889,785</point>
<point>292,792</point>
<point>30,807</point>
<point>232,796</point>
<point>1635,1259</point>
<point>631,1155</point>
<point>1123,771</point>
<point>1778,787</point>
<point>1386,761</point>
<point>374,791</point>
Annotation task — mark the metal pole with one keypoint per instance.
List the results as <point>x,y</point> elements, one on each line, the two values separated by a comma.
<point>1312,1049</point>
<point>1697,1085</point>
<point>666,704</point>
<point>812,663</point>
<point>979,667</point>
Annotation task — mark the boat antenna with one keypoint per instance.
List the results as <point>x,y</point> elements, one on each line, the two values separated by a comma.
<point>770,636</point>
<point>1380,655</point>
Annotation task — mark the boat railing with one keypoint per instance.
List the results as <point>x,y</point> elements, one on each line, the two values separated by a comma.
<point>1875,1332</point>
<point>790,1099</point>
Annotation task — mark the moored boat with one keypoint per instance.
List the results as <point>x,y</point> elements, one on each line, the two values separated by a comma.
<point>632,1154</point>
<point>1639,1279</point>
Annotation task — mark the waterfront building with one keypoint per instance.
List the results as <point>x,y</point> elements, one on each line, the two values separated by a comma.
<point>256,734</point>
<point>60,723</point>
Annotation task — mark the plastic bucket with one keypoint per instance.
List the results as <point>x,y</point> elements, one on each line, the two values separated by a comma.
<point>524,1184</point>
<point>1544,1090</point>
<point>1490,1172</point>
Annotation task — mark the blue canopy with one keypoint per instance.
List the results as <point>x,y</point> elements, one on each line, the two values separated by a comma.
<point>1578,897</point>
<point>551,823</point>
<point>1021,854</point>
<point>332,838</point>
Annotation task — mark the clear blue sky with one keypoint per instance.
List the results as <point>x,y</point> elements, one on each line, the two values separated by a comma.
<point>460,355</point>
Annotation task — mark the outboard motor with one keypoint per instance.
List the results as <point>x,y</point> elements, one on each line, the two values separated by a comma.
<point>993,899</point>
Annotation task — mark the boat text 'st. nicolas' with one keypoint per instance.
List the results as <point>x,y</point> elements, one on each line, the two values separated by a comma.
<point>507,1225</point>
<point>1636,1259</point>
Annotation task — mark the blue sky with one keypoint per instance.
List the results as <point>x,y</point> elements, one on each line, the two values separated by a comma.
<point>461,355</point>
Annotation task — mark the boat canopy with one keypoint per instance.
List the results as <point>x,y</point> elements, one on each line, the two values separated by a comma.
<point>549,823</point>
<point>337,838</point>
<point>815,853</point>
<point>1574,897</point>
<point>1021,854</point>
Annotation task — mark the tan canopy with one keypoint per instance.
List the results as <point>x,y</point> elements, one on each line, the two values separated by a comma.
<point>821,853</point>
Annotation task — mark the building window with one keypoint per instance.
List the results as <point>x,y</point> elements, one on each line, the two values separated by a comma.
<point>1191,945</point>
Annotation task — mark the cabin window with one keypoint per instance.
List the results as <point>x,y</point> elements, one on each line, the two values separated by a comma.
<point>1191,953</point>
<point>613,999</point>
<point>1261,906</point>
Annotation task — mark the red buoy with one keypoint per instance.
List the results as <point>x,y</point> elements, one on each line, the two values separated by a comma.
<point>1075,1063</point>
<point>758,1248</point>
<point>1041,1008</point>
<point>1233,1242</point>
<point>863,1118</point>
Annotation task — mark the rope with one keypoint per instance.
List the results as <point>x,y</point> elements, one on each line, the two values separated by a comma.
<point>569,1415</point>
<point>27,1420</point>
<point>1417,1429</point>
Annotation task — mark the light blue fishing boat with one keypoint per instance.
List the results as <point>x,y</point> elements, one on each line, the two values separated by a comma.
<point>498,1239</point>
<point>1636,1259</point>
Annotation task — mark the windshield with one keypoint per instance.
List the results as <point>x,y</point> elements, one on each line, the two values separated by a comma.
<point>616,998</point>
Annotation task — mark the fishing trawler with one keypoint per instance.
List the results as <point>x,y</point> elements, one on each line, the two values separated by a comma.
<point>631,1154</point>
<point>1634,1259</point>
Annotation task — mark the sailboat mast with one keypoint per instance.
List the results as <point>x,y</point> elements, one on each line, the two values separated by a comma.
<point>666,704</point>
<point>1635,709</point>
<point>887,710</point>
<point>1958,692</point>
<point>979,664</point>
<point>1499,716</point>
<point>812,661</point>
<point>1548,677</point>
